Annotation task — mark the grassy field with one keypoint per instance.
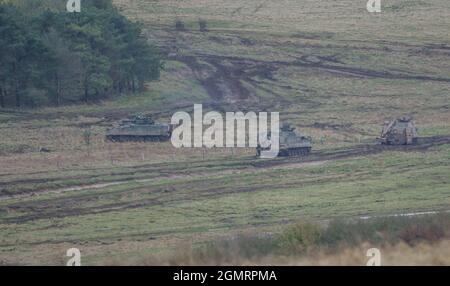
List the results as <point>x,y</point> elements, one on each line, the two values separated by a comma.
<point>331,68</point>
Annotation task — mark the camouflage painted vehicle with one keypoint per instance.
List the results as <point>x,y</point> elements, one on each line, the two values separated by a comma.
<point>400,131</point>
<point>139,128</point>
<point>291,143</point>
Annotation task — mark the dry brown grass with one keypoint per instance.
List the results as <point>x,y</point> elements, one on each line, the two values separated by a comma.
<point>401,254</point>
<point>68,150</point>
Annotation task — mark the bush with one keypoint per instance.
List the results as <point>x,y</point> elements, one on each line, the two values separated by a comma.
<point>203,27</point>
<point>304,236</point>
<point>300,237</point>
<point>410,230</point>
<point>431,230</point>
<point>179,26</point>
<point>241,247</point>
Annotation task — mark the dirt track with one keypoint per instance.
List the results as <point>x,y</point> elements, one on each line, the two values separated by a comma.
<point>223,76</point>
<point>249,164</point>
<point>424,143</point>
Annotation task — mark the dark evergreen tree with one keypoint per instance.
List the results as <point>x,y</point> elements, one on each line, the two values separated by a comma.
<point>50,56</point>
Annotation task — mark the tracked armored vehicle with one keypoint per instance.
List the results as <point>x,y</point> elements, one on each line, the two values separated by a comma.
<point>139,128</point>
<point>400,131</point>
<point>291,143</point>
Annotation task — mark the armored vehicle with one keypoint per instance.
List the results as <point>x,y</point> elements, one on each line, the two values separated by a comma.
<point>139,128</point>
<point>400,131</point>
<point>291,143</point>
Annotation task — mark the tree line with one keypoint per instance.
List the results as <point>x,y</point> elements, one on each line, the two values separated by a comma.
<point>51,57</point>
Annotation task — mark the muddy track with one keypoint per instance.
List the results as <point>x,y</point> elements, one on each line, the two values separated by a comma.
<point>162,195</point>
<point>225,82</point>
<point>250,163</point>
<point>423,144</point>
<point>72,206</point>
<point>234,79</point>
<point>324,64</point>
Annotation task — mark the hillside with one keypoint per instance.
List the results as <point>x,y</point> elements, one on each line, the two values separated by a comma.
<point>321,62</point>
<point>329,67</point>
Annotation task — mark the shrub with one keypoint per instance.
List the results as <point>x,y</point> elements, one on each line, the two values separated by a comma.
<point>240,247</point>
<point>300,237</point>
<point>430,230</point>
<point>410,230</point>
<point>203,27</point>
<point>179,26</point>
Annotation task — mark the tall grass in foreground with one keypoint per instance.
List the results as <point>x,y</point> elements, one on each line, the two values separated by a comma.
<point>339,242</point>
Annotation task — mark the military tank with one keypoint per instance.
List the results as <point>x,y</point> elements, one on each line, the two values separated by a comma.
<point>139,128</point>
<point>291,143</point>
<point>400,131</point>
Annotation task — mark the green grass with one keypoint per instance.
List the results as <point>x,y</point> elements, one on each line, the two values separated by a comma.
<point>393,182</point>
<point>333,65</point>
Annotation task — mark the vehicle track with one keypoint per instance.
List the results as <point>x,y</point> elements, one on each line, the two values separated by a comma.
<point>165,170</point>
<point>423,144</point>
